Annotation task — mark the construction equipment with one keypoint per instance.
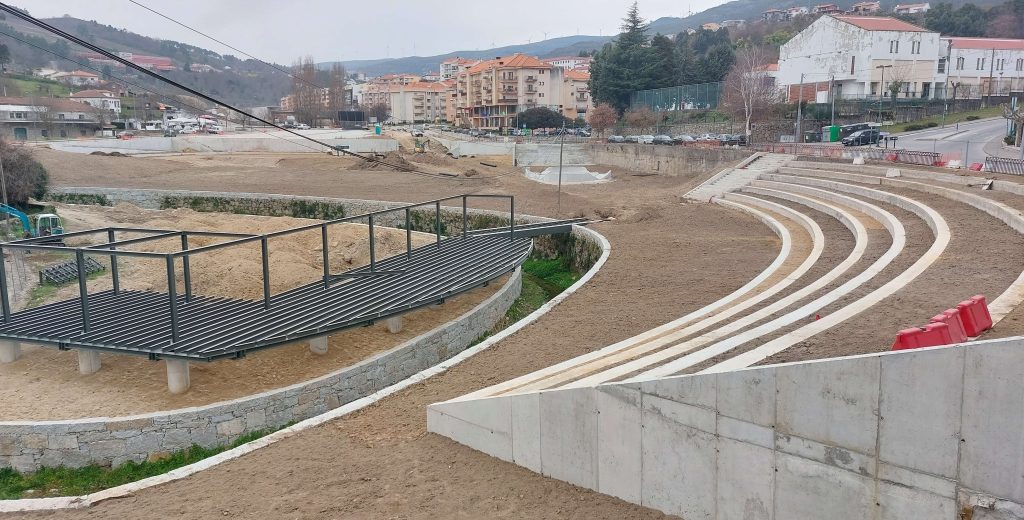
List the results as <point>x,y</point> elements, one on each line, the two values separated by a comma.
<point>47,224</point>
<point>420,146</point>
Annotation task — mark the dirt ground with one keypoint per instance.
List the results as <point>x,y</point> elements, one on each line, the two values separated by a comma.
<point>667,258</point>
<point>44,384</point>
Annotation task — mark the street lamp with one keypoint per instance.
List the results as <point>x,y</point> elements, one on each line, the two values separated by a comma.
<point>881,89</point>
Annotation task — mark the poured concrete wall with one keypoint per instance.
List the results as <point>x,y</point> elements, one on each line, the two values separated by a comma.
<point>666,160</point>
<point>210,143</point>
<point>929,434</point>
<point>29,445</point>
<point>547,155</point>
<point>458,147</point>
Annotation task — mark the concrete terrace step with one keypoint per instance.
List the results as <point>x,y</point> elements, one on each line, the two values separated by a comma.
<point>733,179</point>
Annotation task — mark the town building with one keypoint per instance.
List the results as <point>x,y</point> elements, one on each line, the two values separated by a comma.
<point>100,99</point>
<point>793,12</point>
<point>575,95</point>
<point>860,53</point>
<point>23,118</point>
<point>491,93</point>
<point>569,62</point>
<point>78,78</point>
<point>774,15</point>
<point>395,79</point>
<point>982,67</point>
<point>826,9</point>
<point>711,26</point>
<point>413,103</point>
<point>865,8</point>
<point>911,8</point>
<point>451,67</point>
<point>148,62</point>
<point>733,23</point>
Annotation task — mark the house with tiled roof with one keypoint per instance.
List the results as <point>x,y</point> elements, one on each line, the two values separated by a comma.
<point>491,93</point>
<point>575,95</point>
<point>906,9</point>
<point>100,99</point>
<point>77,78</point>
<point>982,67</point>
<point>849,56</point>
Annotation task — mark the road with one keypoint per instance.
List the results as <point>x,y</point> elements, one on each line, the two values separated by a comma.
<point>969,142</point>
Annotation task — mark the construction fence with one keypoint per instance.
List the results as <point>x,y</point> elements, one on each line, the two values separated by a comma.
<point>843,152</point>
<point>702,96</point>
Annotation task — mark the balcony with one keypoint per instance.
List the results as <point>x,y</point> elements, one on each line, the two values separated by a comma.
<point>505,100</point>
<point>530,79</point>
<point>511,78</point>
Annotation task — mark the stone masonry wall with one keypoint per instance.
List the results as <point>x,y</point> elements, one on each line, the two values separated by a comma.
<point>27,446</point>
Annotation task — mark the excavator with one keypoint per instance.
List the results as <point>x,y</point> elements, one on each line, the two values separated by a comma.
<point>46,224</point>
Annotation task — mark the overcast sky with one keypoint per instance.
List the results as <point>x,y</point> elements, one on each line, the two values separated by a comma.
<point>342,30</point>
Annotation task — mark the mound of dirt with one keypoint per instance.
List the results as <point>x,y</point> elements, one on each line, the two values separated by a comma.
<point>390,161</point>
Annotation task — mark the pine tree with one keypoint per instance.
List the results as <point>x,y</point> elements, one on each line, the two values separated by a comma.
<point>666,71</point>
<point>634,29</point>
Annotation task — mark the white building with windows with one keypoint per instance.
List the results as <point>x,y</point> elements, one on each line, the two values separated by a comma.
<point>862,54</point>
<point>101,99</point>
<point>984,66</point>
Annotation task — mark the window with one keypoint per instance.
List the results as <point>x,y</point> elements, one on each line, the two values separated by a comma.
<point>980,64</point>
<point>60,116</point>
<point>894,46</point>
<point>853,64</point>
<point>1020,64</point>
<point>81,116</point>
<point>960,63</point>
<point>63,133</point>
<point>44,133</point>
<point>1000,64</point>
<point>541,94</point>
<point>18,115</point>
<point>915,47</point>
<point>942,65</point>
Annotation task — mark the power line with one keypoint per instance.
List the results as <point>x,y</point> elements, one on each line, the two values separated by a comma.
<point>159,94</point>
<point>197,31</point>
<point>74,39</point>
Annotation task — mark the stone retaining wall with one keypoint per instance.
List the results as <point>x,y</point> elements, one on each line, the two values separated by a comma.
<point>29,445</point>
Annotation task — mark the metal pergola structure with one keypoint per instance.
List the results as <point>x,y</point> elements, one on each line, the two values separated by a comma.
<point>199,328</point>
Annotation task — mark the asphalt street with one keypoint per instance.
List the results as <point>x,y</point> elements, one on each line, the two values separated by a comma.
<point>969,141</point>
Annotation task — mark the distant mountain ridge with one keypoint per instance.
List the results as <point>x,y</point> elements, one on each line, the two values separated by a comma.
<point>749,10</point>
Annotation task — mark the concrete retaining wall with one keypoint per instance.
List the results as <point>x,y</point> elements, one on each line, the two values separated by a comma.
<point>666,160</point>
<point>211,143</point>
<point>933,433</point>
<point>458,147</point>
<point>528,154</point>
<point>27,445</point>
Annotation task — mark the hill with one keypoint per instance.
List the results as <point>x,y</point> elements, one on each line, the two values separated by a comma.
<point>236,81</point>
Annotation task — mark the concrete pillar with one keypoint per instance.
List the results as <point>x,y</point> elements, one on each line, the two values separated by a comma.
<point>394,324</point>
<point>177,376</point>
<point>10,351</point>
<point>318,345</point>
<point>88,362</point>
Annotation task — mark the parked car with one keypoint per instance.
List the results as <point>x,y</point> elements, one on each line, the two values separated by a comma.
<point>187,130</point>
<point>616,139</point>
<point>583,132</point>
<point>708,137</point>
<point>645,139</point>
<point>632,138</point>
<point>861,137</point>
<point>683,138</point>
<point>416,133</point>
<point>302,126</point>
<point>662,139</point>
<point>170,133</point>
<point>734,139</point>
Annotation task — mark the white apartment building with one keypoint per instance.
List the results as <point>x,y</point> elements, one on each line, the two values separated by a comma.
<point>569,62</point>
<point>983,66</point>
<point>101,99</point>
<point>451,67</point>
<point>412,103</point>
<point>911,8</point>
<point>861,52</point>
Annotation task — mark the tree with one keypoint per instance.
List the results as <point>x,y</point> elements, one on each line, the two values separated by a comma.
<point>540,117</point>
<point>750,89</point>
<point>642,118</point>
<point>378,110</point>
<point>624,65</point>
<point>666,65</point>
<point>603,117</point>
<point>1016,115</point>
<point>308,100</point>
<point>23,175</point>
<point>336,90</point>
<point>968,20</point>
<point>5,56</point>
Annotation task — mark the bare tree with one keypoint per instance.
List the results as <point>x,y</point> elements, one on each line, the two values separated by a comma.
<point>603,117</point>
<point>897,83</point>
<point>750,89</point>
<point>336,90</point>
<point>307,96</point>
<point>1017,116</point>
<point>642,118</point>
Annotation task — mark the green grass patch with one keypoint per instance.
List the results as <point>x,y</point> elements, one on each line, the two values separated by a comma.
<point>29,86</point>
<point>51,482</point>
<point>552,274</point>
<point>951,119</point>
<point>41,294</point>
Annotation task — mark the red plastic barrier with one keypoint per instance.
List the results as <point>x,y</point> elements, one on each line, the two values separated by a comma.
<point>976,166</point>
<point>974,315</point>
<point>951,317</point>
<point>931,335</point>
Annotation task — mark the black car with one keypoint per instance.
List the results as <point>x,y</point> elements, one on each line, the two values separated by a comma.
<point>662,139</point>
<point>733,139</point>
<point>862,137</point>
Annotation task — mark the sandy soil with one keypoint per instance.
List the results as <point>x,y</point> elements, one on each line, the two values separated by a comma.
<point>45,384</point>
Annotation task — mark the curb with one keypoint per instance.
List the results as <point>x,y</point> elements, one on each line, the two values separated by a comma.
<point>83,501</point>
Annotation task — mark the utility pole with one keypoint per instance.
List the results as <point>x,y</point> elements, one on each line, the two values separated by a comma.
<point>881,89</point>
<point>991,69</point>
<point>799,111</point>
<point>945,82</point>
<point>832,94</point>
<point>561,147</point>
